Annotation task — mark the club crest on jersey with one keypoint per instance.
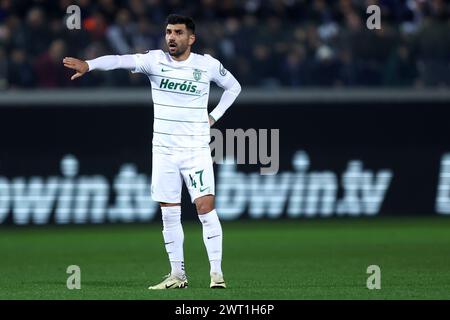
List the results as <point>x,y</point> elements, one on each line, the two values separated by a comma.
<point>197,74</point>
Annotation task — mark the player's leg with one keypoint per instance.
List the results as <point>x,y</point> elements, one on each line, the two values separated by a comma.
<point>173,236</point>
<point>198,175</point>
<point>212,237</point>
<point>166,189</point>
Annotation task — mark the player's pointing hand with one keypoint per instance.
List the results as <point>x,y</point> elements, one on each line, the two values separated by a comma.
<point>80,66</point>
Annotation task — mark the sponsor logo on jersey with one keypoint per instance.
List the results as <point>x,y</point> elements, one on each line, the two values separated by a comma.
<point>184,86</point>
<point>222,70</point>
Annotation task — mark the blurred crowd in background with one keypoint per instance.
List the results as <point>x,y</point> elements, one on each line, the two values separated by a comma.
<point>268,43</point>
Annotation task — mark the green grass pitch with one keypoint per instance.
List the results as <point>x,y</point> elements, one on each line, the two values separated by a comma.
<point>290,259</point>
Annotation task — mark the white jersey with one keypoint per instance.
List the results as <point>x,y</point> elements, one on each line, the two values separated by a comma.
<point>180,92</point>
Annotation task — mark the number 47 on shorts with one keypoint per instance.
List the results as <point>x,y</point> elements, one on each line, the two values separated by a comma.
<point>193,178</point>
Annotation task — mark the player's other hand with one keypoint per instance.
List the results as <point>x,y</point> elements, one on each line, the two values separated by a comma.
<point>80,66</point>
<point>211,121</point>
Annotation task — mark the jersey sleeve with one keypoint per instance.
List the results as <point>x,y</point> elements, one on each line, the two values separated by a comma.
<point>219,74</point>
<point>145,62</point>
<point>224,79</point>
<point>112,62</point>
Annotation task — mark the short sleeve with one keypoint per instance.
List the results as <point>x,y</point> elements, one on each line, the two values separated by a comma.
<point>219,74</point>
<point>145,62</point>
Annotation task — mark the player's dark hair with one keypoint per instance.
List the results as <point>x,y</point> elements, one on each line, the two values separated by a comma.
<point>179,19</point>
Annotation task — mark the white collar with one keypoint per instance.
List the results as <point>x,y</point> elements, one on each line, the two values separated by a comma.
<point>189,58</point>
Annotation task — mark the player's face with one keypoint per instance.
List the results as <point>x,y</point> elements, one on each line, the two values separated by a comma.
<point>178,39</point>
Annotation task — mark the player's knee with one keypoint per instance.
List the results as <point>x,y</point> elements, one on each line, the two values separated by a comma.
<point>204,206</point>
<point>167,204</point>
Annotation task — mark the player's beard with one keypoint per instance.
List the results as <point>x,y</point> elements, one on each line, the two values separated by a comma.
<point>179,50</point>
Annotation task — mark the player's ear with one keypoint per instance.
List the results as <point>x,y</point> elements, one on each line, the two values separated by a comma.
<point>191,39</point>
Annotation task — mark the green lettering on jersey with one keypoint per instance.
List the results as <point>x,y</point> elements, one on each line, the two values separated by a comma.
<point>164,83</point>
<point>183,86</point>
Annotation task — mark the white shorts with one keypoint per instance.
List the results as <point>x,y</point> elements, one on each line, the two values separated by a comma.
<point>169,170</point>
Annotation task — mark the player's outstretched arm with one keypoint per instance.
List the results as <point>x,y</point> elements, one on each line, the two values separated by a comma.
<point>104,63</point>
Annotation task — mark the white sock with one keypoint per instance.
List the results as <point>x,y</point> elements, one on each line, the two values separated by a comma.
<point>177,267</point>
<point>212,237</point>
<point>173,238</point>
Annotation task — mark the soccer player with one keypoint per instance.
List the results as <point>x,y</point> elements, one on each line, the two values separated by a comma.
<point>180,81</point>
